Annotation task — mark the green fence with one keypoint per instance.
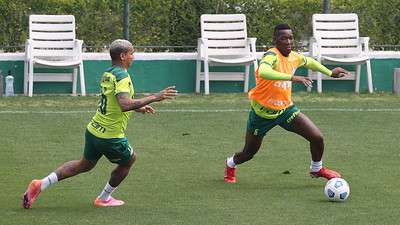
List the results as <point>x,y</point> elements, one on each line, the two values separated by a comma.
<point>152,72</point>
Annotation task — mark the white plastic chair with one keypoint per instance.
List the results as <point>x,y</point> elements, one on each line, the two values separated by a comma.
<point>224,42</point>
<point>52,43</point>
<point>336,41</point>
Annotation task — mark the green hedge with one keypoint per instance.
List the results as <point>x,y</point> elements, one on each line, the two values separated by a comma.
<point>176,22</point>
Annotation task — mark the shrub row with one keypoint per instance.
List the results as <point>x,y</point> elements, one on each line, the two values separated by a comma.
<point>176,22</point>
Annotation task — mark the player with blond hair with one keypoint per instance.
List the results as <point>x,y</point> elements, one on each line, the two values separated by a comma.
<point>105,133</point>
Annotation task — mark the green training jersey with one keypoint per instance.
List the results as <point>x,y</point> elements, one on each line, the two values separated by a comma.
<point>109,121</point>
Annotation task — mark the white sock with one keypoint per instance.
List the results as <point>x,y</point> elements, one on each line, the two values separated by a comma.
<point>230,162</point>
<point>49,180</point>
<point>106,193</point>
<point>316,166</point>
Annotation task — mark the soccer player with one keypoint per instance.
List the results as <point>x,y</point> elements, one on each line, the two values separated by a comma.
<point>271,104</point>
<point>105,132</point>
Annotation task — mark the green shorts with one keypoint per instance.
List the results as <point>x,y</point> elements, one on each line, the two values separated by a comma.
<point>117,150</point>
<point>259,126</point>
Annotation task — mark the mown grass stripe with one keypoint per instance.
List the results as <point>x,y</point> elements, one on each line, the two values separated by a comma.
<point>206,110</point>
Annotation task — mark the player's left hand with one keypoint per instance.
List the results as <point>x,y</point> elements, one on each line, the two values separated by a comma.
<point>339,72</point>
<point>146,109</point>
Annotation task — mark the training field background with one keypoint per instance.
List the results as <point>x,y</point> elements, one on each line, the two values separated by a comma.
<point>178,176</point>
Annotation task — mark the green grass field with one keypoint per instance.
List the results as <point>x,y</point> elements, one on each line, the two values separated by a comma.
<point>178,177</point>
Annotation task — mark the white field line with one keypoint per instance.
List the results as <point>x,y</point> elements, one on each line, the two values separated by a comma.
<point>208,110</point>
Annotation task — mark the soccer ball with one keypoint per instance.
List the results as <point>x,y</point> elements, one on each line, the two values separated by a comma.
<point>337,190</point>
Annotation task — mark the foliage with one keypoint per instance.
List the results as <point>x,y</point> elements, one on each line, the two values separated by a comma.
<point>176,22</point>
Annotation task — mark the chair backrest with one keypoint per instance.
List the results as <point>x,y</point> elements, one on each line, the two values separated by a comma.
<point>337,34</point>
<point>226,34</point>
<point>52,35</point>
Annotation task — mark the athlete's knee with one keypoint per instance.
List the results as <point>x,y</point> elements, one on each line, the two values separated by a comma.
<point>317,139</point>
<point>125,167</point>
<point>131,161</point>
<point>86,165</point>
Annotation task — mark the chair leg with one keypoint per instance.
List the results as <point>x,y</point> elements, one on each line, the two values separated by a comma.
<point>74,74</point>
<point>369,77</point>
<point>82,80</point>
<point>26,64</point>
<point>357,78</point>
<point>319,82</point>
<point>206,78</point>
<point>198,71</point>
<point>30,79</point>
<point>246,79</point>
